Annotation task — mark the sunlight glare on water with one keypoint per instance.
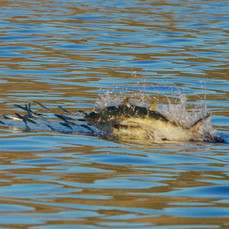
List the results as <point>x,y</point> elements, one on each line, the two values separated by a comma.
<point>79,54</point>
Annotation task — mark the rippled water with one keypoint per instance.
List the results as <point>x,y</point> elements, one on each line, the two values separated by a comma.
<point>68,53</point>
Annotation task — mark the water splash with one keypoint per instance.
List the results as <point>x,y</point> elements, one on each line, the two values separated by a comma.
<point>176,109</point>
<point>179,115</point>
<point>108,99</point>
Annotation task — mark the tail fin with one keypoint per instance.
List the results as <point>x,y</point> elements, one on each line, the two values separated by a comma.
<point>196,126</point>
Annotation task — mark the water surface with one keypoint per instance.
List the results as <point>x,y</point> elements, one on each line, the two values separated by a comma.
<point>68,53</point>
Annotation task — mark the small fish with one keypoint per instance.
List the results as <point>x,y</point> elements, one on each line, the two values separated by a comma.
<point>51,127</point>
<point>19,116</point>
<point>25,108</point>
<point>64,117</point>
<point>67,125</point>
<point>25,120</point>
<point>81,120</point>
<point>87,127</point>
<point>81,112</point>
<point>41,105</point>
<point>7,117</point>
<point>64,110</point>
<point>30,120</point>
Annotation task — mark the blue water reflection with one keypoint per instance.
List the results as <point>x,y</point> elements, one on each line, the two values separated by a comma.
<point>71,52</point>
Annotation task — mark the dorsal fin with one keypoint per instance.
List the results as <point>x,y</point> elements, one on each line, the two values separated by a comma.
<point>196,126</point>
<point>153,106</point>
<point>125,102</point>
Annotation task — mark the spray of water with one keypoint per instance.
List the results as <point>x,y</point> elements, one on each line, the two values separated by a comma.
<point>176,109</point>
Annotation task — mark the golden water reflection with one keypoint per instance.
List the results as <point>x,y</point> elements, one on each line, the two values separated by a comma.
<point>67,53</point>
<point>84,185</point>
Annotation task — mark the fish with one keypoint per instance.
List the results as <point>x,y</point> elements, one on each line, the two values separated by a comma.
<point>125,122</point>
<point>130,122</point>
<point>33,121</point>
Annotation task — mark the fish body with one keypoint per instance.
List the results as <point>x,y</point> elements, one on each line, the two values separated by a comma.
<point>124,111</point>
<point>130,122</point>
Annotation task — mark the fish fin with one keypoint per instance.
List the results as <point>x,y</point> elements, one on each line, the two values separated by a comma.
<point>196,126</point>
<point>153,106</point>
<point>125,102</point>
